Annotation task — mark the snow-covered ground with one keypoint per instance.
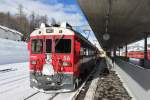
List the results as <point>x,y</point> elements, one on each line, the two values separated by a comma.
<point>13,51</point>
<point>14,85</point>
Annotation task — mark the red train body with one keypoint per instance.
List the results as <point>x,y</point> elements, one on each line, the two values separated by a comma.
<point>59,57</point>
<point>138,54</point>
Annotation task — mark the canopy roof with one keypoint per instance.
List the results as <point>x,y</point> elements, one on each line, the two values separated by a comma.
<point>125,21</point>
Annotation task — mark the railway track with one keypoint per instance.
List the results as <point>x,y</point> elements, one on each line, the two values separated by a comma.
<point>61,95</point>
<point>30,96</point>
<point>56,96</point>
<point>51,98</point>
<point>7,70</point>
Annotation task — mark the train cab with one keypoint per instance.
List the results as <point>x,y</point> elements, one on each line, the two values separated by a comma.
<point>55,58</point>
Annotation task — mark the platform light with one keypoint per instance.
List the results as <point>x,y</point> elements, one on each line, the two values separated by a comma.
<point>106,36</point>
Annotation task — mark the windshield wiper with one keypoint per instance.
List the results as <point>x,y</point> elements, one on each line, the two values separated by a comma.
<point>58,40</point>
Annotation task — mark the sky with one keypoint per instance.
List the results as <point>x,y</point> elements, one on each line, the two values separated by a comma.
<point>61,10</point>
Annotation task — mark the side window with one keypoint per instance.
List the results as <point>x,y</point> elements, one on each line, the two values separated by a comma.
<point>81,51</point>
<point>87,52</point>
<point>84,51</point>
<point>90,52</point>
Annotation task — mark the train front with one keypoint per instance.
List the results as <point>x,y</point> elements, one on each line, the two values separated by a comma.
<point>51,59</point>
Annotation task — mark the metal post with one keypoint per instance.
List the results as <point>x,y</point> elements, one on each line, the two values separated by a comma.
<point>145,47</point>
<point>119,51</point>
<point>114,52</point>
<point>126,51</point>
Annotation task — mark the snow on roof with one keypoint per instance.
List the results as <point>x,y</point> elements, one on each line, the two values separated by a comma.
<point>11,30</point>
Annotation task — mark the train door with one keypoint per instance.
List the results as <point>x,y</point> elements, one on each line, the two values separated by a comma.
<point>48,68</point>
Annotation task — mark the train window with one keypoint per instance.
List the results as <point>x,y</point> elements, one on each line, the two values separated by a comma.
<point>37,46</point>
<point>90,52</point>
<point>63,46</point>
<point>84,51</point>
<point>81,51</point>
<point>49,30</point>
<point>60,31</point>
<point>48,45</point>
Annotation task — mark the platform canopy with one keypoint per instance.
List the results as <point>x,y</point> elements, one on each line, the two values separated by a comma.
<point>125,21</point>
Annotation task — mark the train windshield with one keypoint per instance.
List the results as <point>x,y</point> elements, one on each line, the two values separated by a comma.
<point>37,46</point>
<point>63,46</point>
<point>48,45</point>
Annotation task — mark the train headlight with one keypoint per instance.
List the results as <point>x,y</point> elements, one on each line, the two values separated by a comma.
<point>66,64</point>
<point>33,62</point>
<point>34,80</point>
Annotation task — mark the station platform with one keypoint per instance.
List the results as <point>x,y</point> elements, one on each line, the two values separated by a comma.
<point>106,85</point>
<point>136,79</point>
<point>125,81</point>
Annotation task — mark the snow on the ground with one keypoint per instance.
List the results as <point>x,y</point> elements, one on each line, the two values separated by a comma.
<point>14,83</point>
<point>13,51</point>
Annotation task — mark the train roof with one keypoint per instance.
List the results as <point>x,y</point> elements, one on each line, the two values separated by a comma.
<point>84,39</point>
<point>52,31</point>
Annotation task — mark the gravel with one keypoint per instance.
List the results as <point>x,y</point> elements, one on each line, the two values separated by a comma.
<point>83,92</point>
<point>110,88</point>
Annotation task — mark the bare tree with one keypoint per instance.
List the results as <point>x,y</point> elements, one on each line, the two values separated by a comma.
<point>20,11</point>
<point>21,22</point>
<point>32,21</point>
<point>53,21</point>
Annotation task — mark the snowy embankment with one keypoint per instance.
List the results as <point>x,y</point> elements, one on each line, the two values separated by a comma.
<point>13,51</point>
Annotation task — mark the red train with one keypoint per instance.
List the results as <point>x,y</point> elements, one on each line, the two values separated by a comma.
<point>59,58</point>
<point>138,54</point>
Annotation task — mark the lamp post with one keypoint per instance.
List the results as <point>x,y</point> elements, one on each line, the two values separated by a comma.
<point>126,50</point>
